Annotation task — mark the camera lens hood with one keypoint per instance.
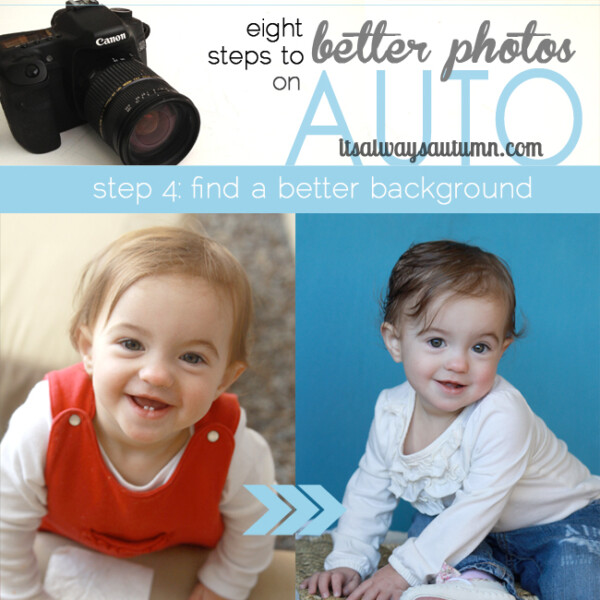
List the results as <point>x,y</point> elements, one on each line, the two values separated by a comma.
<point>143,118</point>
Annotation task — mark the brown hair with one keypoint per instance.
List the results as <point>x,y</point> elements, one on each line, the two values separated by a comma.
<point>159,251</point>
<point>429,269</point>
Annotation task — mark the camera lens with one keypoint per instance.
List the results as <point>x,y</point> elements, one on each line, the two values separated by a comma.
<point>153,129</point>
<point>140,115</point>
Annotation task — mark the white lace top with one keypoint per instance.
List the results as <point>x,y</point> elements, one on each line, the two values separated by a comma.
<point>496,468</point>
<point>428,479</point>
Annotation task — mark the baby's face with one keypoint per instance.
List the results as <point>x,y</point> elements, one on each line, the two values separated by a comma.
<point>160,359</point>
<point>452,363</point>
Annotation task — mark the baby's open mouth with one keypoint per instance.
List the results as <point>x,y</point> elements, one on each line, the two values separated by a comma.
<point>148,404</point>
<point>451,385</point>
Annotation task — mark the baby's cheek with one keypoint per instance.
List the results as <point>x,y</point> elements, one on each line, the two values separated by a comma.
<point>487,378</point>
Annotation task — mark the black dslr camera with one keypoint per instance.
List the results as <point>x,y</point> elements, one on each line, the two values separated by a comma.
<point>90,66</point>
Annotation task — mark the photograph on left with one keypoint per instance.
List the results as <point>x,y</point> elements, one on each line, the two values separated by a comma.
<point>147,377</point>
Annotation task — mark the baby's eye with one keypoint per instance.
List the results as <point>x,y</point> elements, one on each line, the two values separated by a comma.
<point>132,345</point>
<point>436,342</point>
<point>480,348</point>
<point>192,358</point>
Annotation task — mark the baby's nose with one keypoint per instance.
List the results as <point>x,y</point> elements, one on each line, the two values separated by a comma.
<point>457,362</point>
<point>156,373</point>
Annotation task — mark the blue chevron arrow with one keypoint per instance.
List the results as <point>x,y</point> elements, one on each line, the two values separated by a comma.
<point>305,509</point>
<point>332,509</point>
<point>277,509</point>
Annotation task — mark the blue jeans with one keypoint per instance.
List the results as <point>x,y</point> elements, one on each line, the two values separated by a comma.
<point>555,561</point>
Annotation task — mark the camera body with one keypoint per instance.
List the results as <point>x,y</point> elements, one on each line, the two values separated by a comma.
<point>90,66</point>
<point>45,74</point>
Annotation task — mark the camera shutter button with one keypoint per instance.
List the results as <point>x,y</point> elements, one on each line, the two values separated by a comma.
<point>32,71</point>
<point>27,72</point>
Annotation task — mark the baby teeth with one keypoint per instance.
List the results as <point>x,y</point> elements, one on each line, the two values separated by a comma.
<point>148,407</point>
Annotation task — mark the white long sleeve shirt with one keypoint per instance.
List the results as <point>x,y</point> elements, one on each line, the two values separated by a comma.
<point>496,468</point>
<point>232,568</point>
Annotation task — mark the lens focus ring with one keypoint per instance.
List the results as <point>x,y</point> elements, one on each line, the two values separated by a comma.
<point>111,84</point>
<point>121,94</point>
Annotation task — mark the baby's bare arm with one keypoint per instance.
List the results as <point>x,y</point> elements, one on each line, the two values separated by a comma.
<point>340,581</point>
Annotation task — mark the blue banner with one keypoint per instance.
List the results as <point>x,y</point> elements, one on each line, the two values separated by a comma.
<point>252,189</point>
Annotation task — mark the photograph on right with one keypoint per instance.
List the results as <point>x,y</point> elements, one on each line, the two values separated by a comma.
<point>446,392</point>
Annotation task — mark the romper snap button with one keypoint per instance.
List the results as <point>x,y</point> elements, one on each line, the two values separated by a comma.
<point>75,420</point>
<point>213,436</point>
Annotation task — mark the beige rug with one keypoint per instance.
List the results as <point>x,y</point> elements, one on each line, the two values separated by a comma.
<point>311,552</point>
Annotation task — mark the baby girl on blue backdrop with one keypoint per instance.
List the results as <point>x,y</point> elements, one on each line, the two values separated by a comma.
<point>498,495</point>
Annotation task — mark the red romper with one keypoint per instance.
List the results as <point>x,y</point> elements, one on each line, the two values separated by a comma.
<point>87,504</point>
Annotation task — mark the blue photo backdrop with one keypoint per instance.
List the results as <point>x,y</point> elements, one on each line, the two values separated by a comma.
<point>343,262</point>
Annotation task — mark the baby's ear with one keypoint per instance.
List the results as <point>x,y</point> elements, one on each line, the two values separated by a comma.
<point>85,345</point>
<point>391,339</point>
<point>507,342</point>
<point>233,371</point>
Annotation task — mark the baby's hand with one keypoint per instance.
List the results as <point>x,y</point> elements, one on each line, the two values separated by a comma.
<point>201,592</point>
<point>342,581</point>
<point>386,584</point>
